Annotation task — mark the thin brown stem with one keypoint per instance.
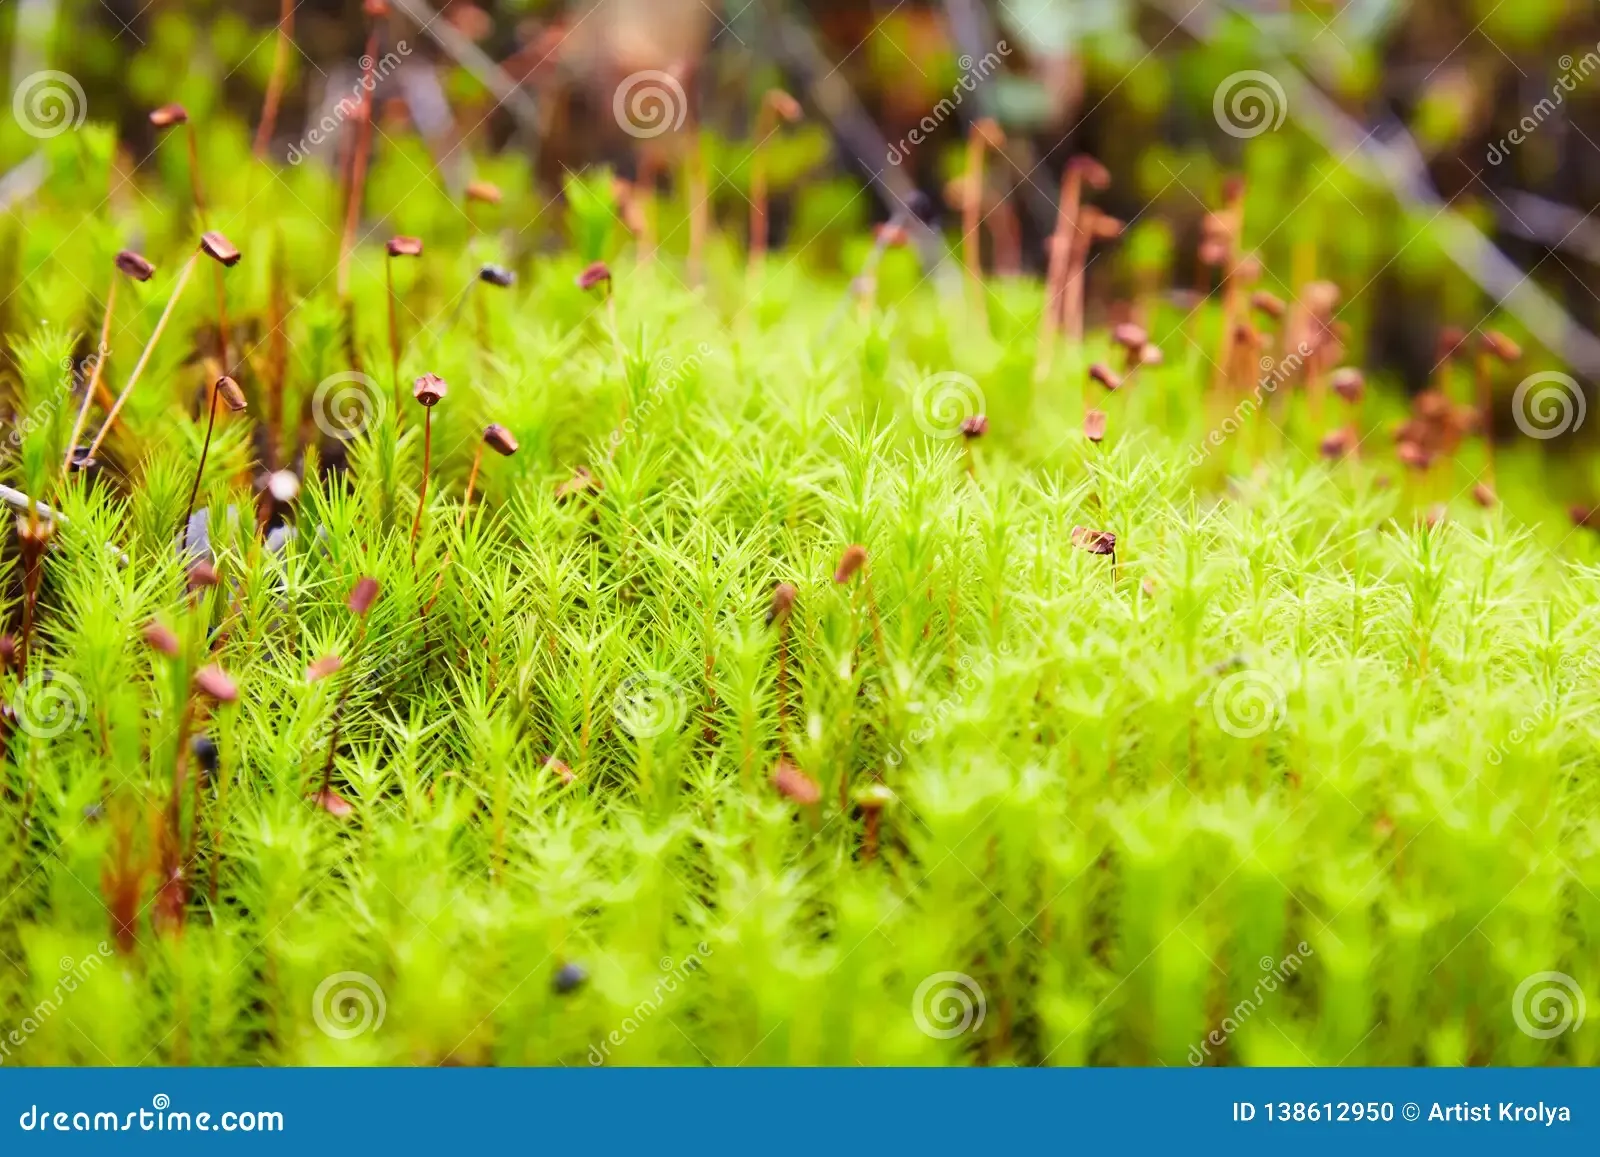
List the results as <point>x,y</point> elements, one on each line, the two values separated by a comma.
<point>338,714</point>
<point>222,321</point>
<point>32,553</point>
<point>171,887</point>
<point>1005,230</point>
<point>218,814</point>
<point>617,347</point>
<point>438,585</point>
<point>358,166</point>
<point>280,68</point>
<point>972,214</point>
<point>699,212</point>
<point>1056,278</point>
<point>645,194</point>
<point>200,470</point>
<point>1077,265</point>
<point>278,359</point>
<point>94,377</point>
<point>872,613</point>
<point>766,125</point>
<point>394,337</point>
<point>1234,214</point>
<point>783,684</point>
<point>144,358</point>
<point>472,481</point>
<point>194,175</point>
<point>197,804</point>
<point>1485,402</point>
<point>422,493</point>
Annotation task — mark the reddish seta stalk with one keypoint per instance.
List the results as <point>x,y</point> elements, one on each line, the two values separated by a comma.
<point>377,10</point>
<point>280,67</point>
<point>428,390</point>
<point>422,491</point>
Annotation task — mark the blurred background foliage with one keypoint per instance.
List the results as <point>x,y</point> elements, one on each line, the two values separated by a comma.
<point>1133,83</point>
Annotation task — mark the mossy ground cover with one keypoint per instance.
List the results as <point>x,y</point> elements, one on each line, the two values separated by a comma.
<point>1193,744</point>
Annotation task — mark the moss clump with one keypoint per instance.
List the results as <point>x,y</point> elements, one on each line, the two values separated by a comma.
<point>1174,745</point>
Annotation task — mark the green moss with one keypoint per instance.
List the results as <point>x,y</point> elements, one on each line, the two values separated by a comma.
<point>1287,719</point>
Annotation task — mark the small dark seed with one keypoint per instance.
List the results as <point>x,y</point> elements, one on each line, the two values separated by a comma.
<point>569,977</point>
<point>205,753</point>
